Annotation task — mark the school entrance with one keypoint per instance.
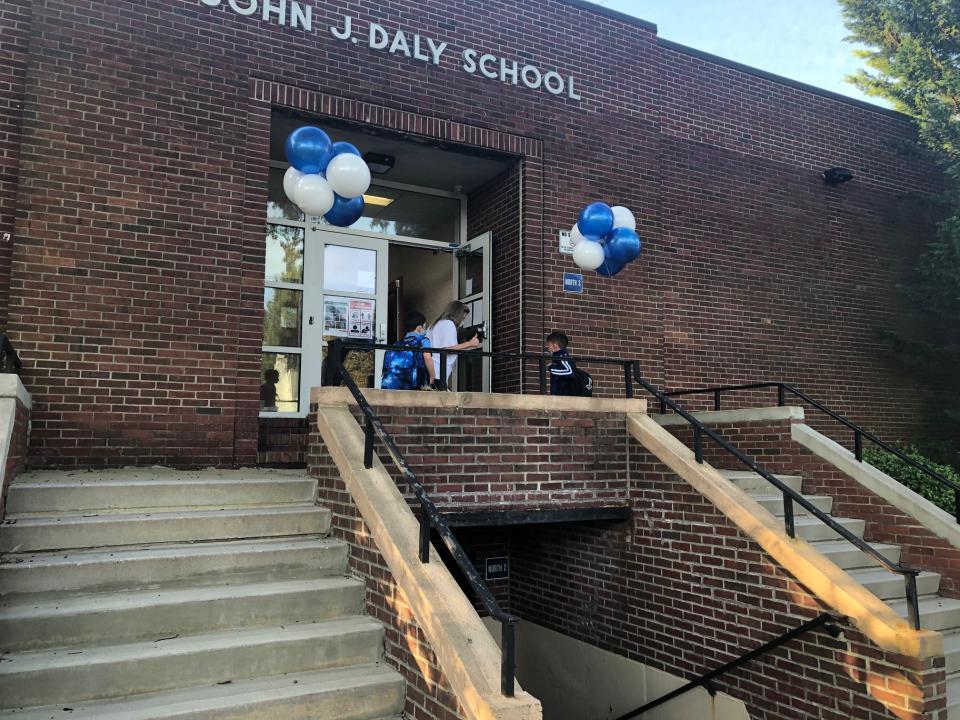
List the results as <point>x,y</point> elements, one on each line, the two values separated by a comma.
<point>417,247</point>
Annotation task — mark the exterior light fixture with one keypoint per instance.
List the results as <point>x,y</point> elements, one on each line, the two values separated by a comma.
<point>379,164</point>
<point>377,200</point>
<point>837,176</point>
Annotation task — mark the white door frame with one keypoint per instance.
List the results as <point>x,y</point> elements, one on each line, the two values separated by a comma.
<point>482,242</point>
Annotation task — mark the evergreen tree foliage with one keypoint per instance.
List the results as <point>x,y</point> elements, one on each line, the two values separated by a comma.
<point>913,55</point>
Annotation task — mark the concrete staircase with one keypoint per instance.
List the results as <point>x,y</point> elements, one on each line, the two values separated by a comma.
<point>936,612</point>
<point>149,594</point>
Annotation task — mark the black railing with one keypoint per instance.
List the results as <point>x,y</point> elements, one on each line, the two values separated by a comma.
<point>9,360</point>
<point>790,496</point>
<point>543,361</point>
<point>430,520</point>
<point>858,432</point>
<point>706,679</point>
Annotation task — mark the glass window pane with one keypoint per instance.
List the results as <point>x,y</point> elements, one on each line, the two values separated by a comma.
<point>280,390</point>
<point>279,206</point>
<point>347,269</point>
<point>404,212</point>
<point>470,264</point>
<point>282,316</point>
<point>284,262</point>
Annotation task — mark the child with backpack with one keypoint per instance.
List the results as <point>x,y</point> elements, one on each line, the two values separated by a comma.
<point>408,369</point>
<point>565,377</point>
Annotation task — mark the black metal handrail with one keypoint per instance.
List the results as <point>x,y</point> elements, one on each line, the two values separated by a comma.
<point>706,679</point>
<point>543,360</point>
<point>9,360</point>
<point>790,496</point>
<point>858,432</point>
<point>430,519</point>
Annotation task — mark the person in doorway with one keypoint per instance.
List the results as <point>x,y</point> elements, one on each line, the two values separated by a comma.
<point>443,334</point>
<point>565,377</point>
<point>409,369</point>
<point>268,390</point>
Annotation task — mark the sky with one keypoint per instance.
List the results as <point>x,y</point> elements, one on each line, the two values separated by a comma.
<point>798,39</point>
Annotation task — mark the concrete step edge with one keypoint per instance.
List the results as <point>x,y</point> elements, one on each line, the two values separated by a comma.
<point>206,700</point>
<point>52,660</point>
<point>30,521</point>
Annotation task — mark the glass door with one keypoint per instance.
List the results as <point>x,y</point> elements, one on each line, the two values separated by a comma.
<point>471,281</point>
<point>345,297</point>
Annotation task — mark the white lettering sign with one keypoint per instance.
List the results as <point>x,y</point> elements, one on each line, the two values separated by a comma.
<point>299,16</point>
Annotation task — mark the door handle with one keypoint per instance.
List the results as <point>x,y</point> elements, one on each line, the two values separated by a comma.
<point>310,322</point>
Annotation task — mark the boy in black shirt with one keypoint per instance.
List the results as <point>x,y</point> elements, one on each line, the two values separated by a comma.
<point>565,379</point>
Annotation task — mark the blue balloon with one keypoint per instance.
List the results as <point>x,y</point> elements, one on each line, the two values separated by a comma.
<point>345,212</point>
<point>309,149</point>
<point>609,268</point>
<point>341,147</point>
<point>622,245</point>
<point>595,221</point>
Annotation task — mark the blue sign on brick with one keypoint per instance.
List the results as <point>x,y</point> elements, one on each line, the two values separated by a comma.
<point>572,282</point>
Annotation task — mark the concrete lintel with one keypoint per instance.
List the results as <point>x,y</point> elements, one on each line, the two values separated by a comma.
<point>936,520</point>
<point>340,396</point>
<point>730,417</point>
<point>534,516</point>
<point>12,387</point>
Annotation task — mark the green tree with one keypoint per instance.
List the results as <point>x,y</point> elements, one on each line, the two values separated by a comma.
<point>913,55</point>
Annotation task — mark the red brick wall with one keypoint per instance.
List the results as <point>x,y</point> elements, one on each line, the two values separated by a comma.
<point>136,292</point>
<point>15,21</point>
<point>479,459</point>
<point>770,443</point>
<point>283,442</point>
<point>16,452</point>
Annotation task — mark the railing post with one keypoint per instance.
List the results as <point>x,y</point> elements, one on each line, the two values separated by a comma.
<point>442,380</point>
<point>663,406</point>
<point>698,444</point>
<point>508,639</point>
<point>858,445</point>
<point>956,505</point>
<point>781,401</point>
<point>424,533</point>
<point>368,444</point>
<point>542,365</point>
<point>716,400</point>
<point>628,378</point>
<point>913,604</point>
<point>788,515</point>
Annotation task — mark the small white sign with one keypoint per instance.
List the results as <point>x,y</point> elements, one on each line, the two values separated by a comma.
<point>566,242</point>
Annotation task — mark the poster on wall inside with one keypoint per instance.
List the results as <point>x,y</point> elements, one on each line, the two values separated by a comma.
<point>361,319</point>
<point>335,316</point>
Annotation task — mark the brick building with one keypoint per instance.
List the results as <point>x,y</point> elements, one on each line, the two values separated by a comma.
<point>155,270</point>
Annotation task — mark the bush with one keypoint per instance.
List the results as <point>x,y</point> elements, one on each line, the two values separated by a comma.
<point>915,479</point>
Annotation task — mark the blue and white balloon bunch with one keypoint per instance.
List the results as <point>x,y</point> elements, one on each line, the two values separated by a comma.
<point>325,178</point>
<point>605,238</point>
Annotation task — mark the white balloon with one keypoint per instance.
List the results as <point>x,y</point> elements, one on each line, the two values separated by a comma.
<point>313,195</point>
<point>348,175</point>
<point>622,217</point>
<point>576,236</point>
<point>588,255</point>
<point>290,178</point>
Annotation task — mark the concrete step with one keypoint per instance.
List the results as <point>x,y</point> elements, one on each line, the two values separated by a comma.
<point>890,586</point>
<point>774,504</point>
<point>20,533</point>
<point>750,482</point>
<point>70,494</point>
<point>49,677</point>
<point>111,619</point>
<point>951,651</point>
<point>846,556</point>
<point>936,613</point>
<point>134,567</point>
<point>362,692</point>
<point>812,529</point>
